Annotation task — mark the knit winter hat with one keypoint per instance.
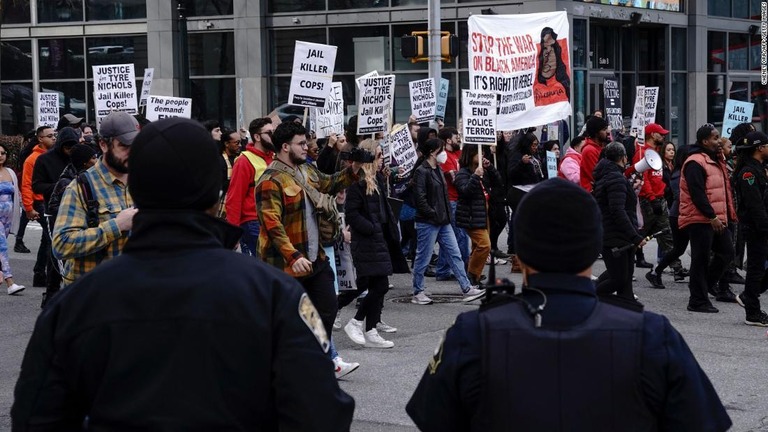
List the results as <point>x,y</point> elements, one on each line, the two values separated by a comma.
<point>558,228</point>
<point>174,164</point>
<point>80,155</point>
<point>595,125</point>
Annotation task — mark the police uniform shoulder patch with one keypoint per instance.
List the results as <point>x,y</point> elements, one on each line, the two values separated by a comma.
<point>311,318</point>
<point>437,358</point>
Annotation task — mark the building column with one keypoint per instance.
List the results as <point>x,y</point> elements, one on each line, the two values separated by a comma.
<point>161,45</point>
<point>252,65</point>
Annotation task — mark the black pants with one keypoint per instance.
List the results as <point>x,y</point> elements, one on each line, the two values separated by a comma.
<point>617,277</point>
<point>52,275</point>
<point>497,216</point>
<point>320,289</point>
<point>22,227</point>
<point>408,237</point>
<point>41,264</point>
<point>680,241</point>
<point>757,275</point>
<point>706,273</point>
<point>370,308</point>
<point>348,296</point>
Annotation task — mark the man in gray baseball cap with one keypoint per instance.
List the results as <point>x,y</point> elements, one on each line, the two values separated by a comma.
<point>96,211</point>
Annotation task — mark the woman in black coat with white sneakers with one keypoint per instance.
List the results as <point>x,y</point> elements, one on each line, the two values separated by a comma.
<point>375,247</point>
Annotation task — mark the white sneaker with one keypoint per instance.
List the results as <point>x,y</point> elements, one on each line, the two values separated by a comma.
<point>337,322</point>
<point>354,329</point>
<point>342,368</point>
<point>497,261</point>
<point>15,288</point>
<point>373,340</point>
<point>473,294</point>
<point>391,286</point>
<point>385,328</point>
<point>421,299</point>
<point>594,278</point>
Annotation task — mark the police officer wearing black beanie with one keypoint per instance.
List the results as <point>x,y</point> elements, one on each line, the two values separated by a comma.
<point>180,332</point>
<point>555,357</point>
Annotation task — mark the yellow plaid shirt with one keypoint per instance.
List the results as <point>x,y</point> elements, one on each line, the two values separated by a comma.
<point>82,248</point>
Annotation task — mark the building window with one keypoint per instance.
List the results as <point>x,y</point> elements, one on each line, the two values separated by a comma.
<point>209,7</point>
<point>277,6</point>
<point>214,99</point>
<point>679,48</point>
<point>357,4</point>
<point>102,10</point>
<point>361,49</point>
<point>666,5</point>
<point>579,43</point>
<point>17,114</point>
<point>716,61</point>
<point>651,49</point>
<point>117,50</point>
<point>51,11</point>
<point>71,97</point>
<point>738,51</point>
<point>212,53</point>
<point>16,60</point>
<point>14,12</point>
<point>283,43</point>
<point>61,58</point>
<point>678,112</point>
<point>212,76</point>
<point>715,99</point>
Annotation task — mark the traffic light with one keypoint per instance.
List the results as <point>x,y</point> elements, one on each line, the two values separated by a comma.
<point>449,46</point>
<point>412,46</point>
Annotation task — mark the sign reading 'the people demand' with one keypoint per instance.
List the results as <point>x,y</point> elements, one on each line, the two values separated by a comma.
<point>160,107</point>
<point>478,109</point>
<point>47,109</point>
<point>312,74</point>
<point>523,58</point>
<point>374,102</point>
<point>423,99</point>
<point>114,89</point>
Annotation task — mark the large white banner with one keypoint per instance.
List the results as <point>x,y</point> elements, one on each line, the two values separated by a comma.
<point>160,107</point>
<point>478,109</point>
<point>525,59</point>
<point>330,118</point>
<point>47,109</point>
<point>375,99</point>
<point>312,74</point>
<point>423,99</point>
<point>114,89</point>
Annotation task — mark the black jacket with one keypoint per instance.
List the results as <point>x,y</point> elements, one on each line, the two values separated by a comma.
<point>430,196</point>
<point>618,205</point>
<point>65,179</point>
<point>375,237</point>
<point>327,160</point>
<point>50,165</point>
<point>521,173</point>
<point>180,333</point>
<point>751,186</point>
<point>471,210</point>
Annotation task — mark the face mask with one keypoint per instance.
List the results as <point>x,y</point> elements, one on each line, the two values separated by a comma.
<point>442,157</point>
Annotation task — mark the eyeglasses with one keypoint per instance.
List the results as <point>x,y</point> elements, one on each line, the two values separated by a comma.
<point>301,143</point>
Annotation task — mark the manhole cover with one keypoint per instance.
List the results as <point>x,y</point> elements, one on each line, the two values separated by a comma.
<point>436,298</point>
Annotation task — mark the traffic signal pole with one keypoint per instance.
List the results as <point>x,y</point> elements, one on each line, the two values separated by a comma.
<point>433,27</point>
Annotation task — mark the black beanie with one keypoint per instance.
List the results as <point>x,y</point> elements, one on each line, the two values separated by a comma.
<point>80,155</point>
<point>595,125</point>
<point>174,164</point>
<point>558,228</point>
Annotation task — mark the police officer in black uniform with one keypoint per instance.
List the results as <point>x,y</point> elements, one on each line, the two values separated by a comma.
<point>751,187</point>
<point>179,332</point>
<point>555,358</point>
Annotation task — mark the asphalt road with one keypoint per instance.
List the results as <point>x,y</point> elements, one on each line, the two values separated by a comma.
<point>735,356</point>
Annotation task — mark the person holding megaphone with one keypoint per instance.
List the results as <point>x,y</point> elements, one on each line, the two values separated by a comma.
<point>653,205</point>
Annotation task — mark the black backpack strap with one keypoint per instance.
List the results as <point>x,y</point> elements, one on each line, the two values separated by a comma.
<point>91,204</point>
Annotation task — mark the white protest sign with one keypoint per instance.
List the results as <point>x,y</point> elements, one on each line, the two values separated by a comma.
<point>478,109</point>
<point>346,275</point>
<point>114,89</point>
<point>736,112</point>
<point>551,164</point>
<point>312,74</point>
<point>638,113</point>
<point>146,85</point>
<point>160,107</point>
<point>403,150</point>
<point>47,109</point>
<point>442,99</point>
<point>373,103</point>
<point>385,150</point>
<point>330,118</point>
<point>423,99</point>
<point>370,74</point>
<point>650,100</point>
<point>525,59</point>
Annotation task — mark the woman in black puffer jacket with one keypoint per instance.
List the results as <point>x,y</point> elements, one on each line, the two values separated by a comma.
<point>375,247</point>
<point>618,205</point>
<point>474,182</point>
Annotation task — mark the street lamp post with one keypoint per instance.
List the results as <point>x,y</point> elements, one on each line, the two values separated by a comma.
<point>183,52</point>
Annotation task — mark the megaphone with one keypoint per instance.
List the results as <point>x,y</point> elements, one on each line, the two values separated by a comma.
<point>651,160</point>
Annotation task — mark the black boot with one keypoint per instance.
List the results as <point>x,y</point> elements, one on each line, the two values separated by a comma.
<point>20,247</point>
<point>39,280</point>
<point>640,261</point>
<point>724,293</point>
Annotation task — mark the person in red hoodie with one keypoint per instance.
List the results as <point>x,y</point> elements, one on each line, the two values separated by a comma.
<point>653,205</point>
<point>597,138</point>
<point>240,201</point>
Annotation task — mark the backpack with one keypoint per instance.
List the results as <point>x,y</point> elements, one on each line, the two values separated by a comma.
<point>91,204</point>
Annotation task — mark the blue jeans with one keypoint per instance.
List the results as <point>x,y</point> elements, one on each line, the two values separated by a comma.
<point>443,262</point>
<point>332,353</point>
<point>250,237</point>
<point>426,235</point>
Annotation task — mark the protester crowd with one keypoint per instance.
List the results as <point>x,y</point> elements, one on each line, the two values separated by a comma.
<point>298,202</point>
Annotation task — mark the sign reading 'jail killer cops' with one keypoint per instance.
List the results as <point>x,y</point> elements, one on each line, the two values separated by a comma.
<point>114,89</point>
<point>374,102</point>
<point>47,109</point>
<point>312,74</point>
<point>160,107</point>
<point>524,58</point>
<point>478,109</point>
<point>736,112</point>
<point>423,99</point>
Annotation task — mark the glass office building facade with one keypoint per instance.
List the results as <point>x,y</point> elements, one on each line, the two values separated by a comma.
<point>698,52</point>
